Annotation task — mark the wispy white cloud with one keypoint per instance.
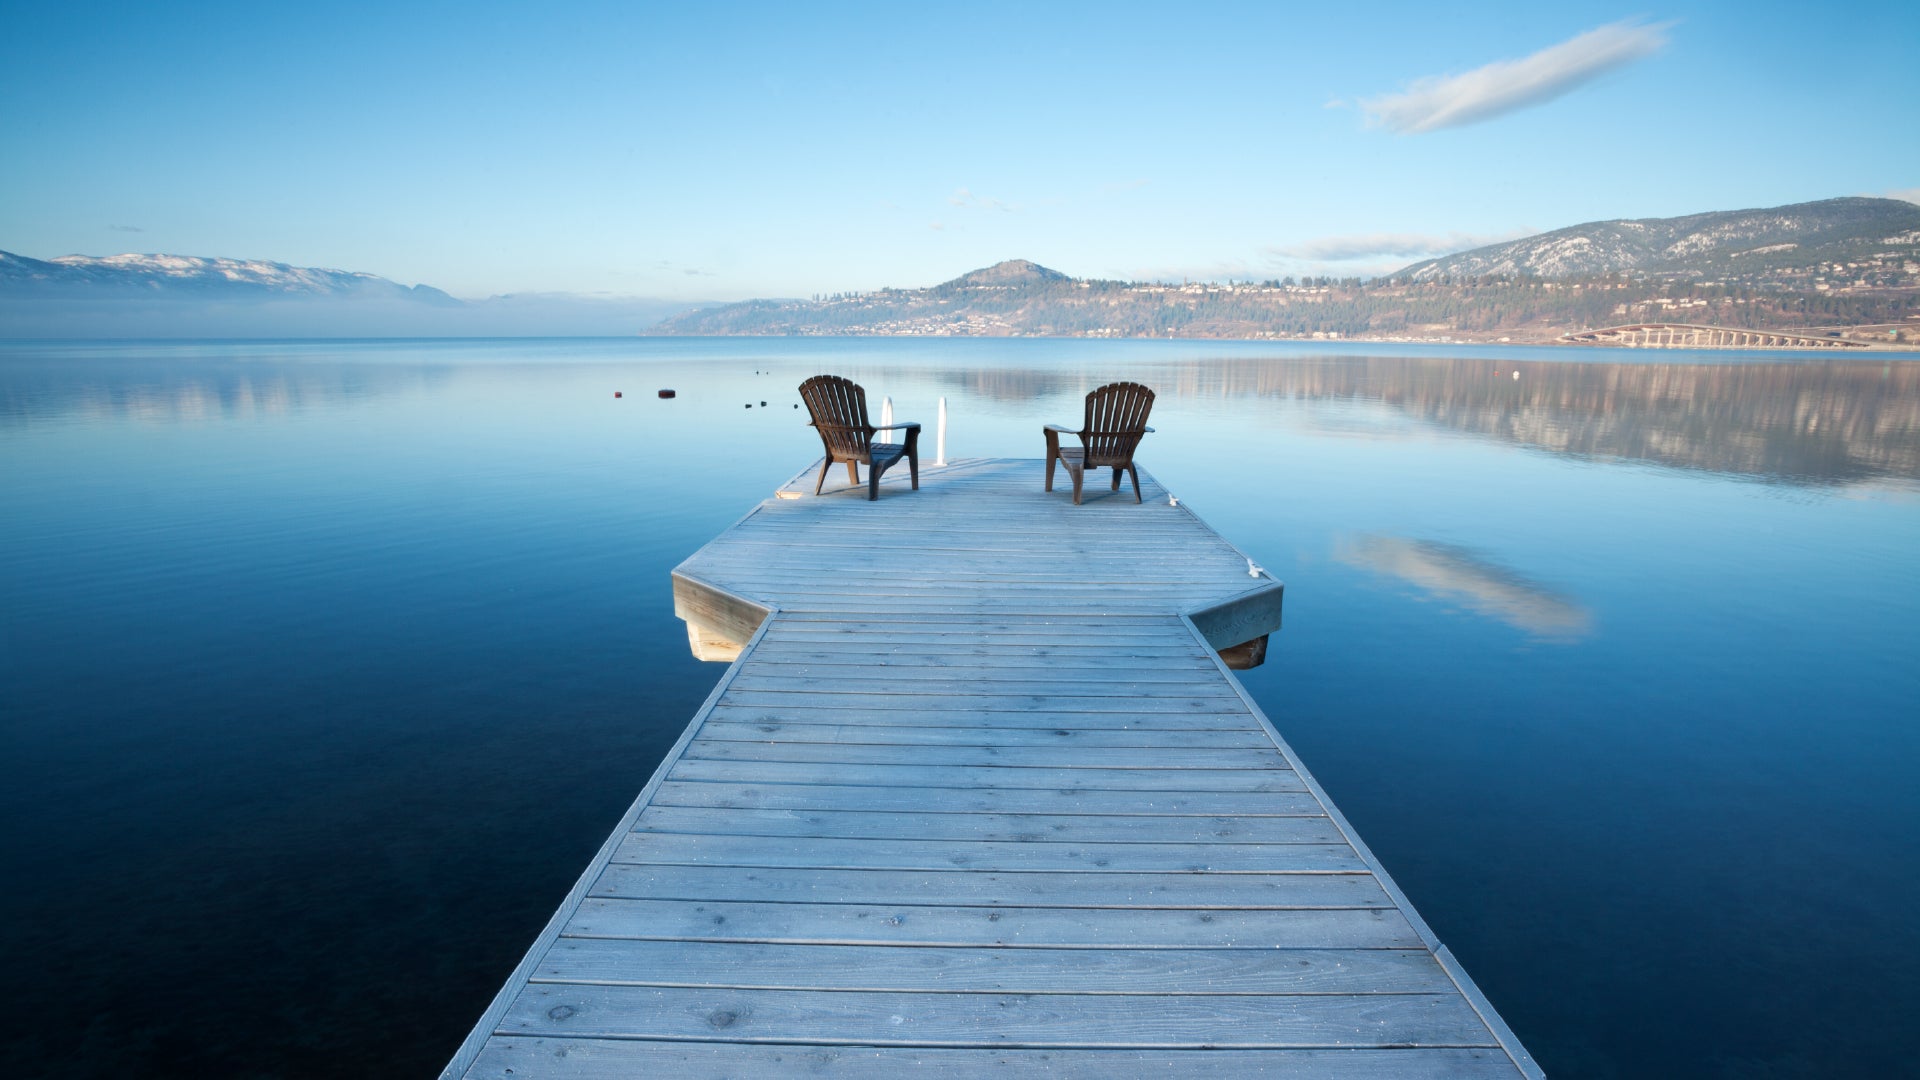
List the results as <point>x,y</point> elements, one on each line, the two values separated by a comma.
<point>125,228</point>
<point>1444,101</point>
<point>668,266</point>
<point>1911,194</point>
<point>968,200</point>
<point>1382,245</point>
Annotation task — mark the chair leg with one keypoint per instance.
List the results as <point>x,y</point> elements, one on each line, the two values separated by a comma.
<point>822,482</point>
<point>853,473</point>
<point>874,469</point>
<point>1133,471</point>
<point>1050,462</point>
<point>913,465</point>
<point>1079,477</point>
<point>1116,478</point>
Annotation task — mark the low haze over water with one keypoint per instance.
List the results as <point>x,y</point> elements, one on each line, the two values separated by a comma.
<point>326,667</point>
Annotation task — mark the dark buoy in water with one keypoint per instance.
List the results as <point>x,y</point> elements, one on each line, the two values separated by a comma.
<point>616,393</point>
<point>666,393</point>
<point>763,404</point>
<point>749,404</point>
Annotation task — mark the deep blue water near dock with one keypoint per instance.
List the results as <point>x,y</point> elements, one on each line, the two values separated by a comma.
<point>325,667</point>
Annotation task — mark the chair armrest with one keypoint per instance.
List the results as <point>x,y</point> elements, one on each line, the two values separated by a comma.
<point>1063,430</point>
<point>1146,429</point>
<point>901,426</point>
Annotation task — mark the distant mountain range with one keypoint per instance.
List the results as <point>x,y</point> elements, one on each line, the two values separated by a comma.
<point>1851,262</point>
<point>1727,241</point>
<point>1842,262</point>
<point>190,296</point>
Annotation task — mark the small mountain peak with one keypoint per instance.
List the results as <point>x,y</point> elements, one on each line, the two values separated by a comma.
<point>1010,272</point>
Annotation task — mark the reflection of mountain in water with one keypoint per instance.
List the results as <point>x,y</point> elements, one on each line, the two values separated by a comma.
<point>1813,422</point>
<point>1013,384</point>
<point>1817,422</point>
<point>1456,573</point>
<point>175,392</point>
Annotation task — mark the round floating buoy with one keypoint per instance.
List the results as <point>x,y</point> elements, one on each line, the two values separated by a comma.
<point>1516,375</point>
<point>666,393</point>
<point>763,404</point>
<point>749,404</point>
<point>616,393</point>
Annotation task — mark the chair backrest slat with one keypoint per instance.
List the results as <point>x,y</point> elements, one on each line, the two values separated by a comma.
<point>839,408</point>
<point>1116,421</point>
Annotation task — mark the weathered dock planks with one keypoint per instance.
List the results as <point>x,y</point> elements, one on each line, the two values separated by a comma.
<point>979,795</point>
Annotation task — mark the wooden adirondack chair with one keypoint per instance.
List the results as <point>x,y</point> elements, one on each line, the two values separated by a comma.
<point>839,408</point>
<point>1116,421</point>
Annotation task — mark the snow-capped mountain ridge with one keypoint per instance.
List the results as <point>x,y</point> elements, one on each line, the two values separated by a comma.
<point>85,275</point>
<point>1836,230</point>
<point>193,296</point>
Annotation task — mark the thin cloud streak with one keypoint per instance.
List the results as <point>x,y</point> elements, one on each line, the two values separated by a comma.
<point>1381,245</point>
<point>668,266</point>
<point>1444,101</point>
<point>1231,269</point>
<point>967,199</point>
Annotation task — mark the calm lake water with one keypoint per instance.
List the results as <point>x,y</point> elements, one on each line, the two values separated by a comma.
<point>326,667</point>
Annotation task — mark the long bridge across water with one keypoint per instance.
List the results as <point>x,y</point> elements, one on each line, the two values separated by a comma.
<point>1693,336</point>
<point>979,793</point>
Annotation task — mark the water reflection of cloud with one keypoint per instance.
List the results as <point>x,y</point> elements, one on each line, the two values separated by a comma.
<point>1457,573</point>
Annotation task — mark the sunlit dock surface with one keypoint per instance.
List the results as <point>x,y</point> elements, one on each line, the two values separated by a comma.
<point>979,794</point>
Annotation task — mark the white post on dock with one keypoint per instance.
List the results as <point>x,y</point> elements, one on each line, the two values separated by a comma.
<point>886,419</point>
<point>940,445</point>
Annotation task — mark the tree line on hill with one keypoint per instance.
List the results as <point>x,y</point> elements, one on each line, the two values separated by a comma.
<point>1473,304</point>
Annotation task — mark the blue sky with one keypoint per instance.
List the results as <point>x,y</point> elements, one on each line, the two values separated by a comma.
<point>793,149</point>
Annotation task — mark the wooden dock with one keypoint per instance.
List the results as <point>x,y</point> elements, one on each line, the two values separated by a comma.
<point>979,793</point>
